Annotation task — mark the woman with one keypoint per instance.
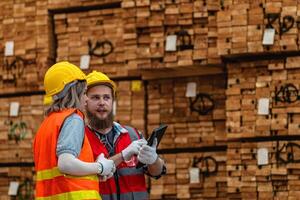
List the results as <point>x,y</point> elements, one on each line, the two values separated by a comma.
<point>62,171</point>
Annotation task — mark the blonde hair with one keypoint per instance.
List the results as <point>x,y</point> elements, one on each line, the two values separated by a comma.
<point>70,100</point>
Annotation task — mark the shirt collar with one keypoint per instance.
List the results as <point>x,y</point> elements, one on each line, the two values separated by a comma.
<point>118,128</point>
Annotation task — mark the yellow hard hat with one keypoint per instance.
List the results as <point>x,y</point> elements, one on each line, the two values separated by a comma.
<point>98,78</point>
<point>58,76</point>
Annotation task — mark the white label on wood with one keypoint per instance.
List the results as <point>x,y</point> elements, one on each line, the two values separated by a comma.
<point>194,175</point>
<point>85,61</point>
<point>14,109</point>
<point>191,89</point>
<point>269,36</point>
<point>171,43</point>
<point>114,111</point>
<point>13,188</point>
<point>263,106</point>
<point>9,48</point>
<point>262,156</point>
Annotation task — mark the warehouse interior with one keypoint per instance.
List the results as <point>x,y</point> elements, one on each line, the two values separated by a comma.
<point>222,74</point>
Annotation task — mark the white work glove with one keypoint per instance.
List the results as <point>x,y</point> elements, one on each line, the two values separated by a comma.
<point>108,166</point>
<point>147,154</point>
<point>133,149</point>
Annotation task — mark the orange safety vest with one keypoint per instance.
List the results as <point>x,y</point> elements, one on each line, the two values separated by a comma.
<point>51,184</point>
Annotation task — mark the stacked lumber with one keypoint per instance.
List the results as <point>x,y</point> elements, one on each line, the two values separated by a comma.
<point>18,25</point>
<point>15,152</point>
<point>28,25</point>
<point>248,82</point>
<point>167,103</point>
<point>138,31</point>
<point>130,104</point>
<point>23,176</point>
<point>248,180</point>
<point>176,184</point>
<point>157,20</point>
<point>130,34</point>
<point>241,26</point>
<point>74,31</point>
<point>31,112</point>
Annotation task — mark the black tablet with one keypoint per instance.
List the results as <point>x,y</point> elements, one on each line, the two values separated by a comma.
<point>156,133</point>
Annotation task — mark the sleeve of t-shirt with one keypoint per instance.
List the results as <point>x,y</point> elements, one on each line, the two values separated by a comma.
<point>71,136</point>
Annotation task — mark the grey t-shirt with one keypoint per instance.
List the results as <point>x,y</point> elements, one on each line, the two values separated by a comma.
<point>71,136</point>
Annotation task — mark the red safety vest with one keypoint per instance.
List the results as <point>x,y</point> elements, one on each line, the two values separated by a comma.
<point>50,183</point>
<point>131,181</point>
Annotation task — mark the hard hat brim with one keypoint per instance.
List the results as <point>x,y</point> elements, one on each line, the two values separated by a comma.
<point>48,100</point>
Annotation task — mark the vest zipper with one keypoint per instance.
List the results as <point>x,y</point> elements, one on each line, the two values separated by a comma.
<point>116,177</point>
<point>116,174</point>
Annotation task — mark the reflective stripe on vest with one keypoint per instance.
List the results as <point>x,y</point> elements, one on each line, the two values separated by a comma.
<point>54,172</point>
<point>133,134</point>
<point>127,196</point>
<point>130,171</point>
<point>82,194</point>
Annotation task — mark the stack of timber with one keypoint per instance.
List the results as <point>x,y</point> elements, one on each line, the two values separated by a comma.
<point>17,133</point>
<point>242,25</point>
<point>98,33</point>
<point>188,129</point>
<point>274,131</point>
<point>130,108</point>
<point>209,183</point>
<point>18,25</point>
<point>18,130</point>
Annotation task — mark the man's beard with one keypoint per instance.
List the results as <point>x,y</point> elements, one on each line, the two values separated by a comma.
<point>100,124</point>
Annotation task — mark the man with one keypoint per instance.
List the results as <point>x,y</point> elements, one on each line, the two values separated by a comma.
<point>123,144</point>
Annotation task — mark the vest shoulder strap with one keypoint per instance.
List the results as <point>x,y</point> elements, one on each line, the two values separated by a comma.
<point>133,133</point>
